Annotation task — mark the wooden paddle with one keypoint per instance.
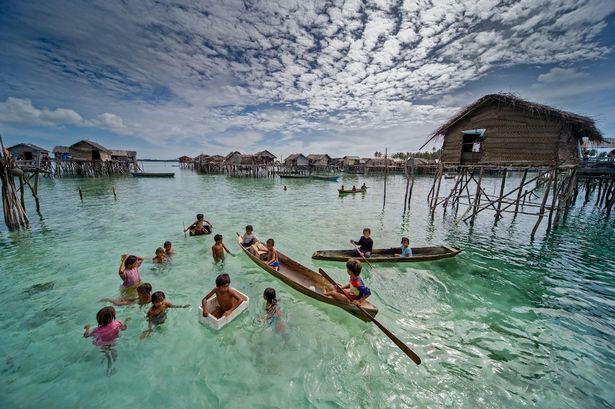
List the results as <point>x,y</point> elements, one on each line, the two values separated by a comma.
<point>184,224</point>
<point>415,358</point>
<point>362,255</point>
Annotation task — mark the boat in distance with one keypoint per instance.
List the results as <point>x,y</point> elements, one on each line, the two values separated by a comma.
<point>306,281</point>
<point>392,255</point>
<point>153,174</point>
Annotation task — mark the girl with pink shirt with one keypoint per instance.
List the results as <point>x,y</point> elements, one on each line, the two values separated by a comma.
<point>129,271</point>
<point>105,335</point>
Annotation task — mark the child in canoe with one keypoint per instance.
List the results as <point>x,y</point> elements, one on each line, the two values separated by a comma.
<point>228,299</point>
<point>200,226</point>
<point>219,248</point>
<point>272,255</point>
<point>157,314</point>
<point>356,289</point>
<point>406,251</point>
<point>248,237</point>
<point>144,296</point>
<point>365,243</point>
<point>129,271</point>
<point>161,256</point>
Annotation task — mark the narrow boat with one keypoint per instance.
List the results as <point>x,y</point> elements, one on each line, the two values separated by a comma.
<point>152,174</point>
<point>344,192</point>
<point>306,281</point>
<point>293,176</point>
<point>392,255</point>
<point>218,323</point>
<point>327,178</point>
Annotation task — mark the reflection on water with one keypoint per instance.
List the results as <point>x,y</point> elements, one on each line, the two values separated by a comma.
<point>508,323</point>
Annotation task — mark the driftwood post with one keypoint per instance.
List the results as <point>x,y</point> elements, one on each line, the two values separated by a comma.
<point>386,169</point>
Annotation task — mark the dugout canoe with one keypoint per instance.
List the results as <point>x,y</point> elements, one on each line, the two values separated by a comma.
<point>343,192</point>
<point>307,282</point>
<point>327,178</point>
<point>153,174</point>
<point>392,255</point>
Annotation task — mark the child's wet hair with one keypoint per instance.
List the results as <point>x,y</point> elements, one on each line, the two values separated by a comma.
<point>223,279</point>
<point>130,260</point>
<point>158,296</point>
<point>354,266</point>
<point>405,239</point>
<point>105,316</point>
<point>249,227</point>
<point>217,238</point>
<point>271,241</point>
<point>159,250</point>
<point>270,295</point>
<point>200,216</point>
<point>367,229</point>
<point>144,288</point>
<point>167,243</point>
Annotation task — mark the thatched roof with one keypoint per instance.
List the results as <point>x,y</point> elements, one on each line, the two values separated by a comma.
<point>60,149</point>
<point>295,156</point>
<point>30,146</point>
<point>265,153</point>
<point>318,156</point>
<point>94,145</point>
<point>582,125</point>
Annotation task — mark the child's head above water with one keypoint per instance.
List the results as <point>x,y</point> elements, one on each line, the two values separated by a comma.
<point>130,261</point>
<point>218,238</point>
<point>144,288</point>
<point>353,266</point>
<point>167,245</point>
<point>158,297</point>
<point>105,316</point>
<point>200,216</point>
<point>223,280</point>
<point>249,229</point>
<point>270,296</point>
<point>159,251</point>
<point>405,241</point>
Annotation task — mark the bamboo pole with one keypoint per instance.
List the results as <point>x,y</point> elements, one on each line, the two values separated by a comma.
<point>386,169</point>
<point>542,207</point>
<point>503,184</point>
<point>520,190</point>
<point>477,196</point>
<point>553,199</point>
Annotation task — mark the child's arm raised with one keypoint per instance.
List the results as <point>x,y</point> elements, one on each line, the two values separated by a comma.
<point>122,266</point>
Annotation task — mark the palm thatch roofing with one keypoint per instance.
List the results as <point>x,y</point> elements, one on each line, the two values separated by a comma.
<point>582,125</point>
<point>30,146</point>
<point>95,145</point>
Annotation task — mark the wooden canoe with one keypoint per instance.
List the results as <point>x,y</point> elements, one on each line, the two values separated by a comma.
<point>392,255</point>
<point>307,282</point>
<point>153,174</point>
<point>343,192</point>
<point>324,177</point>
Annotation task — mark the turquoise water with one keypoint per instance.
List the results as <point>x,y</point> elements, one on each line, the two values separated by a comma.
<point>508,323</point>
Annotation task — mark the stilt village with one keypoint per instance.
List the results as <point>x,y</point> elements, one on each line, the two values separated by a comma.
<point>561,160</point>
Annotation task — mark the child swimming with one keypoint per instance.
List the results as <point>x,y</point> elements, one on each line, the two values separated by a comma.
<point>272,310</point>
<point>219,248</point>
<point>106,333</point>
<point>356,289</point>
<point>168,248</point>
<point>144,296</point>
<point>129,270</point>
<point>157,314</point>
<point>161,256</point>
<point>228,299</point>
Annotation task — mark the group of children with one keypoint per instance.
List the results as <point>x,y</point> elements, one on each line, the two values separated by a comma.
<point>365,245</point>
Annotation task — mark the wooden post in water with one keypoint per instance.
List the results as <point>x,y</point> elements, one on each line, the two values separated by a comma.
<point>520,191</point>
<point>80,194</point>
<point>542,206</point>
<point>114,195</point>
<point>407,188</point>
<point>386,169</point>
<point>437,192</point>
<point>553,199</point>
<point>477,196</point>
<point>498,214</point>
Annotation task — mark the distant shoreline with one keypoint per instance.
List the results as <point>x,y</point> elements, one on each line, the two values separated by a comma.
<point>158,160</point>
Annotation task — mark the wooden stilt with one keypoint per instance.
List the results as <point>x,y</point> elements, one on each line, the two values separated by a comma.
<point>498,215</point>
<point>435,198</point>
<point>80,194</point>
<point>553,199</point>
<point>542,206</point>
<point>520,191</point>
<point>386,171</point>
<point>477,196</point>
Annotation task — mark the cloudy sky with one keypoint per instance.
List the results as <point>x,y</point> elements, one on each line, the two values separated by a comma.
<point>343,77</point>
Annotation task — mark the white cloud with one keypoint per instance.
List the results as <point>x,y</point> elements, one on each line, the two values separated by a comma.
<point>560,75</point>
<point>21,111</point>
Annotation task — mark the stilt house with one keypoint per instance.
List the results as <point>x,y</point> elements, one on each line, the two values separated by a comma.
<point>503,130</point>
<point>88,150</point>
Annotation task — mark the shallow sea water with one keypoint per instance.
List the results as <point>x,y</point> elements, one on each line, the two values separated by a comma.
<point>508,323</point>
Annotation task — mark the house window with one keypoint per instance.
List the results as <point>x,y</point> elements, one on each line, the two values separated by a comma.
<point>472,140</point>
<point>28,156</point>
<point>95,155</point>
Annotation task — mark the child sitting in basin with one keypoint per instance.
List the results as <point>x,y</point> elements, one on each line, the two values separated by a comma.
<point>200,226</point>
<point>356,289</point>
<point>228,299</point>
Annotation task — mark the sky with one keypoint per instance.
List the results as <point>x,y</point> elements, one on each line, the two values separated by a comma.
<point>338,77</point>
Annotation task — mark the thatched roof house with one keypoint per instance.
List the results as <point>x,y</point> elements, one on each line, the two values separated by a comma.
<point>88,150</point>
<point>265,157</point>
<point>28,152</point>
<point>297,160</point>
<point>503,130</point>
<point>319,159</point>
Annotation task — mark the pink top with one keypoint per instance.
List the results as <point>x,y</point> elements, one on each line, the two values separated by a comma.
<point>131,277</point>
<point>107,334</point>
